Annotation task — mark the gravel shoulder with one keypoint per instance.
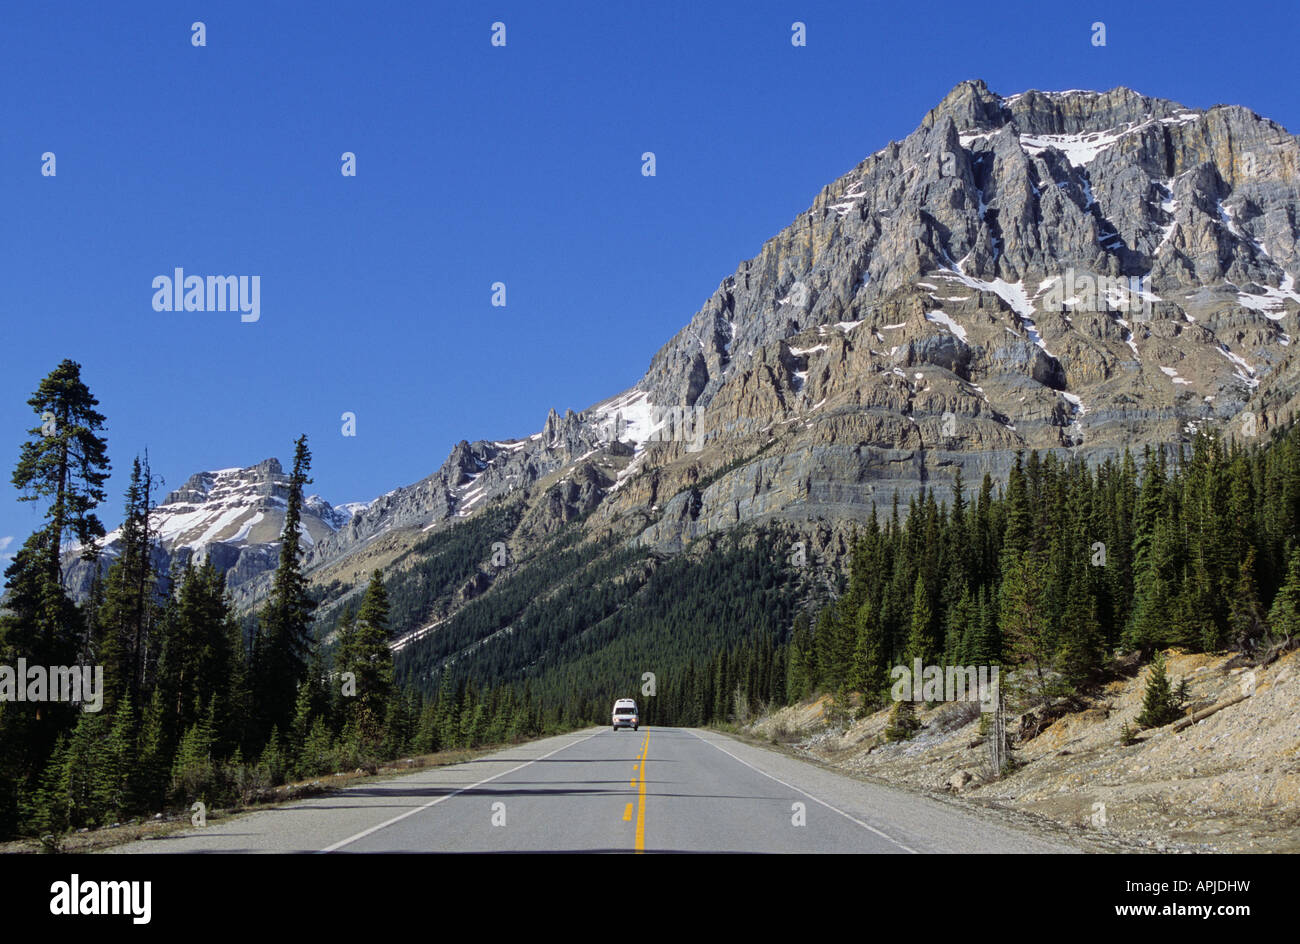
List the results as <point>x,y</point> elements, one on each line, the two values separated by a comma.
<point>1228,783</point>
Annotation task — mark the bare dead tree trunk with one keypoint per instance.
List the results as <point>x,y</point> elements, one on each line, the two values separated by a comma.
<point>998,753</point>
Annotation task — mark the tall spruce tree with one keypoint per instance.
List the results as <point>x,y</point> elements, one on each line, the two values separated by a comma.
<point>1080,653</point>
<point>284,640</point>
<point>1284,615</point>
<point>1024,623</point>
<point>65,464</point>
<point>364,652</point>
<point>1245,614</point>
<point>868,660</point>
<point>801,663</point>
<point>920,640</point>
<point>129,612</point>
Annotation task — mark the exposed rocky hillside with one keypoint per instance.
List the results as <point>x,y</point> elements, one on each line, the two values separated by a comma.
<point>1078,271</point>
<point>1229,782</point>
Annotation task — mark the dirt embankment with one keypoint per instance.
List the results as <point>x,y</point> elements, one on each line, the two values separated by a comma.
<point>1227,783</point>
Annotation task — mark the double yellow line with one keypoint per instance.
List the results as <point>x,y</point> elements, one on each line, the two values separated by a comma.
<point>639,782</point>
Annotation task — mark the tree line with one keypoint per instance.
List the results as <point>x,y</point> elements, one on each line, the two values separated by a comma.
<point>192,707</point>
<point>1055,576</point>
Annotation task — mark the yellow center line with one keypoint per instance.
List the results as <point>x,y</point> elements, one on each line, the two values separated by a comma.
<point>627,814</point>
<point>640,808</point>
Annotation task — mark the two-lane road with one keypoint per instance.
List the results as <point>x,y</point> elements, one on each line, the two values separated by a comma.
<point>655,790</point>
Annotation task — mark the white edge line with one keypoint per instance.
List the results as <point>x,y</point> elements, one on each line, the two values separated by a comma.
<point>833,809</point>
<point>384,825</point>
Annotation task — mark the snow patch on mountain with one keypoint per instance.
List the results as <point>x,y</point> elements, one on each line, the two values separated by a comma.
<point>940,317</point>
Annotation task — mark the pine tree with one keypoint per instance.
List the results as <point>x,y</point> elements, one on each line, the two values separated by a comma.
<point>1245,614</point>
<point>843,636</point>
<point>128,612</point>
<point>903,723</point>
<point>1159,705</point>
<point>868,660</point>
<point>233,735</point>
<point>920,641</point>
<point>448,712</point>
<point>986,638</point>
<point>395,730</point>
<point>284,641</point>
<point>152,774</point>
<point>827,672</point>
<point>517,727</point>
<point>957,621</point>
<point>800,678</point>
<point>196,669</point>
<point>119,761</point>
<point>426,732</point>
<point>47,811</point>
<point>1284,615</point>
<point>317,755</point>
<point>364,652</point>
<point>302,724</point>
<point>86,769</point>
<point>1024,619</point>
<point>1018,536</point>
<point>1155,561</point>
<point>1080,654</point>
<point>66,462</point>
<point>474,724</point>
<point>273,763</point>
<point>194,770</point>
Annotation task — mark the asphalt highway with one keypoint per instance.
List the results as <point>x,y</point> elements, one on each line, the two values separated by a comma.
<point>652,790</point>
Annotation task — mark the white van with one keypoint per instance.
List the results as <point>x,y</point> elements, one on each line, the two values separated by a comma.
<point>625,714</point>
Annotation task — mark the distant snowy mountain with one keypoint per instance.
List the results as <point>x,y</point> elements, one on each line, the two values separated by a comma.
<point>344,512</point>
<point>233,516</point>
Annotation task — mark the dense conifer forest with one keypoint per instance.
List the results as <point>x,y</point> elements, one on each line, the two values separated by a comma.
<point>1054,574</point>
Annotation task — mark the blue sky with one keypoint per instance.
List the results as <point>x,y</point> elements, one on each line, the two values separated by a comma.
<point>475,164</point>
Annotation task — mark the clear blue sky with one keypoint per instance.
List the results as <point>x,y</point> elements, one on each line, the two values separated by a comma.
<point>475,164</point>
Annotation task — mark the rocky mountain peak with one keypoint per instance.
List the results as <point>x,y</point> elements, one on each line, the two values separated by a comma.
<point>233,516</point>
<point>1078,271</point>
<point>970,104</point>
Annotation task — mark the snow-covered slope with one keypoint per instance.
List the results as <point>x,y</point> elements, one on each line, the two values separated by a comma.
<point>235,516</point>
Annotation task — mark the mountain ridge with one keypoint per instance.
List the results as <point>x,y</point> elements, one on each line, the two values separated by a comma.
<point>1078,271</point>
<point>233,516</point>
